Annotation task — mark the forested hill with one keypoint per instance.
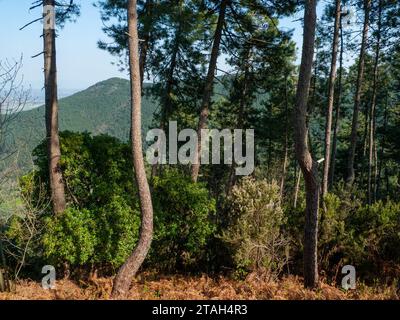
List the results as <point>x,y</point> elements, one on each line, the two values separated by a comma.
<point>101,108</point>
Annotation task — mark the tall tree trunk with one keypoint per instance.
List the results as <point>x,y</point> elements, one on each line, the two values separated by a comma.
<point>208,88</point>
<point>308,166</point>
<point>357,100</point>
<point>372,145</point>
<point>382,150</point>
<point>51,105</point>
<point>124,277</point>
<point>286,143</point>
<point>241,114</point>
<point>338,107</point>
<point>4,281</point>
<point>331,97</point>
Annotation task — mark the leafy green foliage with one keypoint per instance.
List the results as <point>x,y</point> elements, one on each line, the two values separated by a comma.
<point>184,214</point>
<point>101,225</point>
<point>82,237</point>
<point>70,237</point>
<point>361,235</point>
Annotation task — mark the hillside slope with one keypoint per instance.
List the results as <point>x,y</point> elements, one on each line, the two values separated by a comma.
<point>102,108</point>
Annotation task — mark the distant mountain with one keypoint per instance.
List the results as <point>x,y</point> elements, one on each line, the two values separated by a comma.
<point>36,97</point>
<point>101,108</point>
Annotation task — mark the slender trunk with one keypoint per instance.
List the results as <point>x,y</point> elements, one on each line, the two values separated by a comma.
<point>286,143</point>
<point>372,145</point>
<point>366,131</point>
<point>338,107</point>
<point>4,281</point>
<point>331,97</point>
<point>240,118</point>
<point>357,100</point>
<point>375,182</point>
<point>382,150</point>
<point>364,167</point>
<point>208,88</point>
<point>297,188</point>
<point>308,166</point>
<point>51,105</point>
<point>124,277</point>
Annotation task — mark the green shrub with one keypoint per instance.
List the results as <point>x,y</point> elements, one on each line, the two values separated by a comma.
<point>117,230</point>
<point>100,226</point>
<point>70,237</point>
<point>376,228</point>
<point>82,237</point>
<point>183,221</point>
<point>361,235</point>
<point>94,169</point>
<point>255,233</point>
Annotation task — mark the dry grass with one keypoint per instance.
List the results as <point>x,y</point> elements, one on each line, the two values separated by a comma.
<point>150,287</point>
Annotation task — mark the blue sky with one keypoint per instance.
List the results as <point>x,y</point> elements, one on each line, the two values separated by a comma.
<point>80,63</point>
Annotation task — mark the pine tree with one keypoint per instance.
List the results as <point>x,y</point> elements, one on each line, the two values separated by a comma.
<point>308,166</point>
<point>123,279</point>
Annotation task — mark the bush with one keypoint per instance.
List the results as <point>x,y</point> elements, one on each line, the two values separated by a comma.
<point>100,226</point>
<point>365,236</point>
<point>183,221</point>
<point>335,234</point>
<point>82,237</point>
<point>376,228</point>
<point>70,237</point>
<point>118,230</point>
<point>95,169</point>
<point>255,233</point>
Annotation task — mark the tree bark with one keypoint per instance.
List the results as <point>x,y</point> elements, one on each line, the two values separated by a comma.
<point>286,143</point>
<point>208,89</point>
<point>338,107</point>
<point>331,97</point>
<point>308,166</point>
<point>371,154</point>
<point>51,106</point>
<point>124,277</point>
<point>357,100</point>
<point>382,149</point>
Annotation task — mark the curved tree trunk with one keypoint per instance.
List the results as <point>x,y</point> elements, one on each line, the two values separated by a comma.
<point>209,85</point>
<point>308,166</point>
<point>124,277</point>
<point>331,97</point>
<point>357,100</point>
<point>51,104</point>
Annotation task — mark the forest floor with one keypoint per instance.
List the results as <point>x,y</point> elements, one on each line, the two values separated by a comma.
<point>147,287</point>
